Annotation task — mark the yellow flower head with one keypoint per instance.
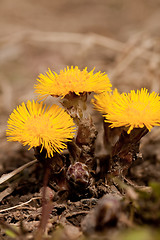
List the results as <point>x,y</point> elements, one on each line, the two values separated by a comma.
<point>71,80</point>
<point>35,125</point>
<point>133,110</point>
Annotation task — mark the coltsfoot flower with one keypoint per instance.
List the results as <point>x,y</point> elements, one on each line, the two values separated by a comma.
<point>35,125</point>
<point>132,110</point>
<point>71,80</point>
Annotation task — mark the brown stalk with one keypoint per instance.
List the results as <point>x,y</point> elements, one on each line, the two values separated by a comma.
<point>125,151</point>
<point>83,147</point>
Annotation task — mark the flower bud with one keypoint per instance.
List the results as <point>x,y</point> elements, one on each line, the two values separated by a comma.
<point>78,174</point>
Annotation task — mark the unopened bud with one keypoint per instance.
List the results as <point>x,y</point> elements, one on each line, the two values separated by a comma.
<point>78,174</point>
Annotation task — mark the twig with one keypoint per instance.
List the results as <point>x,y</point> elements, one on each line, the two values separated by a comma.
<point>77,38</point>
<point>6,177</point>
<point>6,192</point>
<point>122,65</point>
<point>76,213</point>
<point>80,38</point>
<point>20,205</point>
<point>132,53</point>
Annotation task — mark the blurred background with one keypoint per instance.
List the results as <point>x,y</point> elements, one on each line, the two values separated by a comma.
<point>119,37</point>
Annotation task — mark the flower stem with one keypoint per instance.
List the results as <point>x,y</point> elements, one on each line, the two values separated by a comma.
<point>125,151</point>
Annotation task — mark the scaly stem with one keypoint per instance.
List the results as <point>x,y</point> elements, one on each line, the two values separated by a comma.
<point>125,151</point>
<point>82,149</point>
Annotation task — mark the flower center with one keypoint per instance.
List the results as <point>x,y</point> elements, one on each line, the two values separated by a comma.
<point>37,125</point>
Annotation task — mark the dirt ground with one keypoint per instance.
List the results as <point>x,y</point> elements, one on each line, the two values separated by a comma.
<point>119,37</point>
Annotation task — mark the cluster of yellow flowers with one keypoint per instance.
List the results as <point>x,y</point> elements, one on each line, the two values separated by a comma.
<point>35,125</point>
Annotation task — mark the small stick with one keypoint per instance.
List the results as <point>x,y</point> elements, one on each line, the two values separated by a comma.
<point>20,205</point>
<point>76,38</point>
<point>6,177</point>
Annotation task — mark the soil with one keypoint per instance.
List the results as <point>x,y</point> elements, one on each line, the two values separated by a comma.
<point>119,37</point>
